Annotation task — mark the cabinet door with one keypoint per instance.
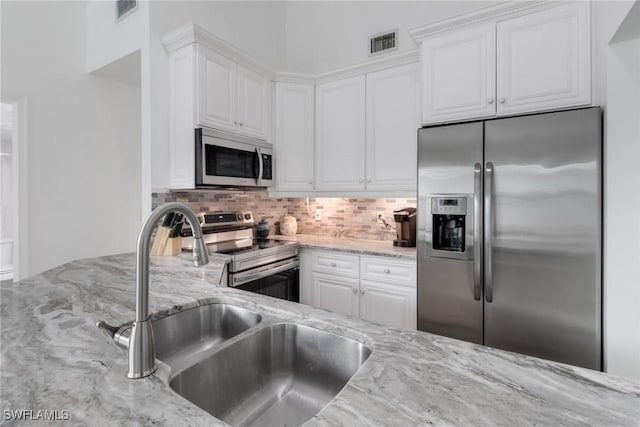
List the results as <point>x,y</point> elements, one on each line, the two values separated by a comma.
<point>340,135</point>
<point>458,74</point>
<point>254,103</point>
<point>392,121</point>
<point>294,137</point>
<point>544,60</point>
<point>216,90</point>
<point>386,304</point>
<point>335,293</point>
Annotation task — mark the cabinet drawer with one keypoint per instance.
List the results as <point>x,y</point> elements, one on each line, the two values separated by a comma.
<point>329,262</point>
<point>388,270</point>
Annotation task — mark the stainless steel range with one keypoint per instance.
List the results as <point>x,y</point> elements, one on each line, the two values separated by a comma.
<point>264,266</point>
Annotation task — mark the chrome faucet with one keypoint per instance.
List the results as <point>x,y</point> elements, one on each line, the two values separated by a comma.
<point>142,351</point>
<point>142,354</point>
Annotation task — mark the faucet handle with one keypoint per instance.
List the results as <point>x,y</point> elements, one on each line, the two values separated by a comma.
<point>119,334</point>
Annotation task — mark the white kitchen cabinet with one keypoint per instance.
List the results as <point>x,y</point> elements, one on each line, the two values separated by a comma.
<point>377,288</point>
<point>336,293</point>
<point>216,90</point>
<point>254,103</point>
<point>458,74</point>
<point>534,62</point>
<point>544,60</point>
<point>388,304</point>
<point>392,117</point>
<point>340,135</point>
<point>232,97</point>
<point>294,137</point>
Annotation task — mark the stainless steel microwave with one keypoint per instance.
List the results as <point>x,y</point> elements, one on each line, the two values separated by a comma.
<point>225,159</point>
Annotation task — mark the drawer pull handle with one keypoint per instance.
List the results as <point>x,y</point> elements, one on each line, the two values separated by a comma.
<point>333,264</point>
<point>386,270</point>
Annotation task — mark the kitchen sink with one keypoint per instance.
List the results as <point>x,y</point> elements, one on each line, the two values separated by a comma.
<point>184,338</point>
<point>282,374</point>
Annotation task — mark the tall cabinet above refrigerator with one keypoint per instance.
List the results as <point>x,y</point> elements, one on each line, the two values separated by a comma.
<point>509,234</point>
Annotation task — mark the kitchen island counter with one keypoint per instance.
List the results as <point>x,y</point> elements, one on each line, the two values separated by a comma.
<point>54,358</point>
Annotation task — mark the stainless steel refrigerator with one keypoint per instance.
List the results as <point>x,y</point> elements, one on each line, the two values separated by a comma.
<point>509,234</point>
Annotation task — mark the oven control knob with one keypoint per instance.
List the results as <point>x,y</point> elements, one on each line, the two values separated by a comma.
<point>247,216</point>
<point>239,216</point>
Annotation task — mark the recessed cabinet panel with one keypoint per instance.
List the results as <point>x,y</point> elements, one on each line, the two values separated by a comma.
<point>216,90</point>
<point>340,135</point>
<point>334,293</point>
<point>253,103</point>
<point>388,305</point>
<point>458,74</point>
<point>392,120</point>
<point>544,60</point>
<point>294,137</point>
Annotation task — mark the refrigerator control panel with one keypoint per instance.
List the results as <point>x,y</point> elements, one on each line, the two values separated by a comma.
<point>449,205</point>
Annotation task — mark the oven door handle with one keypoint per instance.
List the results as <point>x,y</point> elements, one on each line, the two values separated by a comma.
<point>237,279</point>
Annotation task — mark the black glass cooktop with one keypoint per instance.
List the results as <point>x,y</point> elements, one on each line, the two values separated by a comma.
<point>258,244</point>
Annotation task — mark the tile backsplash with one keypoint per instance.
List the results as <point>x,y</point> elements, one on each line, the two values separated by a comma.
<point>345,217</point>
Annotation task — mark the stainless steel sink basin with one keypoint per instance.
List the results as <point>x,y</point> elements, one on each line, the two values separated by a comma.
<point>182,338</point>
<point>280,375</point>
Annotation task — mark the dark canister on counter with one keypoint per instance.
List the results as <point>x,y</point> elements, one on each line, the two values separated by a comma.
<point>262,229</point>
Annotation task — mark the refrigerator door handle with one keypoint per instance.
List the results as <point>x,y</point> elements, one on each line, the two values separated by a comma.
<point>488,232</point>
<point>477,228</point>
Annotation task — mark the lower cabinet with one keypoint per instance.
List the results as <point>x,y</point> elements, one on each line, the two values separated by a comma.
<point>376,288</point>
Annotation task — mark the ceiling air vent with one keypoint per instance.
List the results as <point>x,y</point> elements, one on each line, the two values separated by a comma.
<point>124,8</point>
<point>383,42</point>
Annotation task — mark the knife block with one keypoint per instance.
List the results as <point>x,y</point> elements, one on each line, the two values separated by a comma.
<point>160,241</point>
<point>173,246</point>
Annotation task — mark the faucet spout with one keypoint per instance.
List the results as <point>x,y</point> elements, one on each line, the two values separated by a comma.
<point>142,355</point>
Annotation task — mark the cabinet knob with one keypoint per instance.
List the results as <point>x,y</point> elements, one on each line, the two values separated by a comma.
<point>355,291</point>
<point>490,101</point>
<point>241,123</point>
<point>501,100</point>
<point>311,182</point>
<point>386,270</point>
<point>235,122</point>
<point>369,180</point>
<point>361,180</point>
<point>361,291</point>
<point>333,264</point>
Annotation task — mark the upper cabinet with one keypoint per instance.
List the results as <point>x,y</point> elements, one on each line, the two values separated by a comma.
<point>534,62</point>
<point>458,74</point>
<point>543,60</point>
<point>231,97</point>
<point>340,135</point>
<point>392,120</point>
<point>294,137</point>
<point>366,131</point>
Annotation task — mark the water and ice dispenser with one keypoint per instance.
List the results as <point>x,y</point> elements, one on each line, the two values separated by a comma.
<point>450,223</point>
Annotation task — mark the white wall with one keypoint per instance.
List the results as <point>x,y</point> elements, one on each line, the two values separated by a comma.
<point>109,39</point>
<point>622,204</point>
<point>323,36</point>
<point>257,28</point>
<point>83,137</point>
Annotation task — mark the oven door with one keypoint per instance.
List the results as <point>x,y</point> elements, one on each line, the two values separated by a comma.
<point>279,280</point>
<point>232,160</point>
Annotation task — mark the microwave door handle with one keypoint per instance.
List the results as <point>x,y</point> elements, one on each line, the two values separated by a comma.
<point>260,166</point>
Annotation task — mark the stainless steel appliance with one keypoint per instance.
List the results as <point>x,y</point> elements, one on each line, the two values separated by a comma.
<point>264,266</point>
<point>509,234</point>
<point>405,227</point>
<point>229,160</point>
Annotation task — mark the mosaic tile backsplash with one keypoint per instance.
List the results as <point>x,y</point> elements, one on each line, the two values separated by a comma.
<point>340,217</point>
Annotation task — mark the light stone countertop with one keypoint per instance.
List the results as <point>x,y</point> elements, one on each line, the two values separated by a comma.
<point>357,246</point>
<point>53,357</point>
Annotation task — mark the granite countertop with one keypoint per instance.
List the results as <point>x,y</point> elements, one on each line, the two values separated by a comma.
<point>357,246</point>
<point>54,358</point>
